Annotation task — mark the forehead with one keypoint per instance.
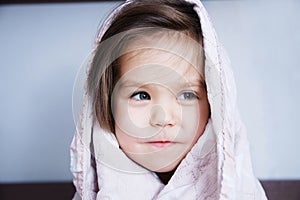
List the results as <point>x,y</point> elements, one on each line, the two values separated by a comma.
<point>156,63</point>
<point>164,55</point>
<point>178,43</point>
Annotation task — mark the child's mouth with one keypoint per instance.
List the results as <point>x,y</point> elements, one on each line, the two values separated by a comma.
<point>161,144</point>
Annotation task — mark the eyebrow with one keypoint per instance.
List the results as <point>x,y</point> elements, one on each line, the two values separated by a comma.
<point>133,83</point>
<point>130,83</point>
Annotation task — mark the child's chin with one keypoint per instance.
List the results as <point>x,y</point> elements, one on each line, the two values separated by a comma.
<point>164,170</point>
<point>157,162</point>
<point>167,168</point>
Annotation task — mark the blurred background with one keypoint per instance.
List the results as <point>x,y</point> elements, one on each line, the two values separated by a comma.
<point>43,45</point>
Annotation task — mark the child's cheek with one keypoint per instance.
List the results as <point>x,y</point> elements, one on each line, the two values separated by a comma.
<point>132,118</point>
<point>128,143</point>
<point>190,120</point>
<point>139,115</point>
<point>194,120</point>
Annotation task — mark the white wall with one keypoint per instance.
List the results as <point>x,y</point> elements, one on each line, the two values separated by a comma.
<point>263,42</point>
<point>42,47</point>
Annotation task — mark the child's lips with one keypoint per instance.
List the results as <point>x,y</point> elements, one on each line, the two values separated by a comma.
<point>161,144</point>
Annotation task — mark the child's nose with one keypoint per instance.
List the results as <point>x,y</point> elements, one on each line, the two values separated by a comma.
<point>162,115</point>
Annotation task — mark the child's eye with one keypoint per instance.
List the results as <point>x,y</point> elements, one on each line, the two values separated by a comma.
<point>187,96</point>
<point>141,96</point>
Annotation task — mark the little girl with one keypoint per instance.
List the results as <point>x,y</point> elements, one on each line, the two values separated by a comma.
<point>159,119</point>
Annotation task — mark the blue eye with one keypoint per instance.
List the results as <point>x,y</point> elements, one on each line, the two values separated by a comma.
<point>141,96</point>
<point>187,96</point>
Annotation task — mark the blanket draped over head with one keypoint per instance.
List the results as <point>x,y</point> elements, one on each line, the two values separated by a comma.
<point>217,167</point>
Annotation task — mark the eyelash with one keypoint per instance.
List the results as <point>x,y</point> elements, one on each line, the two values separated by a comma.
<point>188,95</point>
<point>191,96</point>
<point>133,96</point>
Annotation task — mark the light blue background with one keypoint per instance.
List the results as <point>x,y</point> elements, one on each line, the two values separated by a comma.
<point>43,46</point>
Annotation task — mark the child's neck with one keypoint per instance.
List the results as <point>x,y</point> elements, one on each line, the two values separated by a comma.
<point>165,176</point>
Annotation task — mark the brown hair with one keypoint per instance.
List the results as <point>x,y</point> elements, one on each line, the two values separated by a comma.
<point>175,15</point>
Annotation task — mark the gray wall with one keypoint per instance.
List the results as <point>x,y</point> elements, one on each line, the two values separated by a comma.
<point>43,46</point>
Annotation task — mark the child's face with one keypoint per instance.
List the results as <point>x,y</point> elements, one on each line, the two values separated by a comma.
<point>160,108</point>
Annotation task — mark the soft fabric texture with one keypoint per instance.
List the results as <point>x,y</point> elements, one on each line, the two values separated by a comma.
<point>217,167</point>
